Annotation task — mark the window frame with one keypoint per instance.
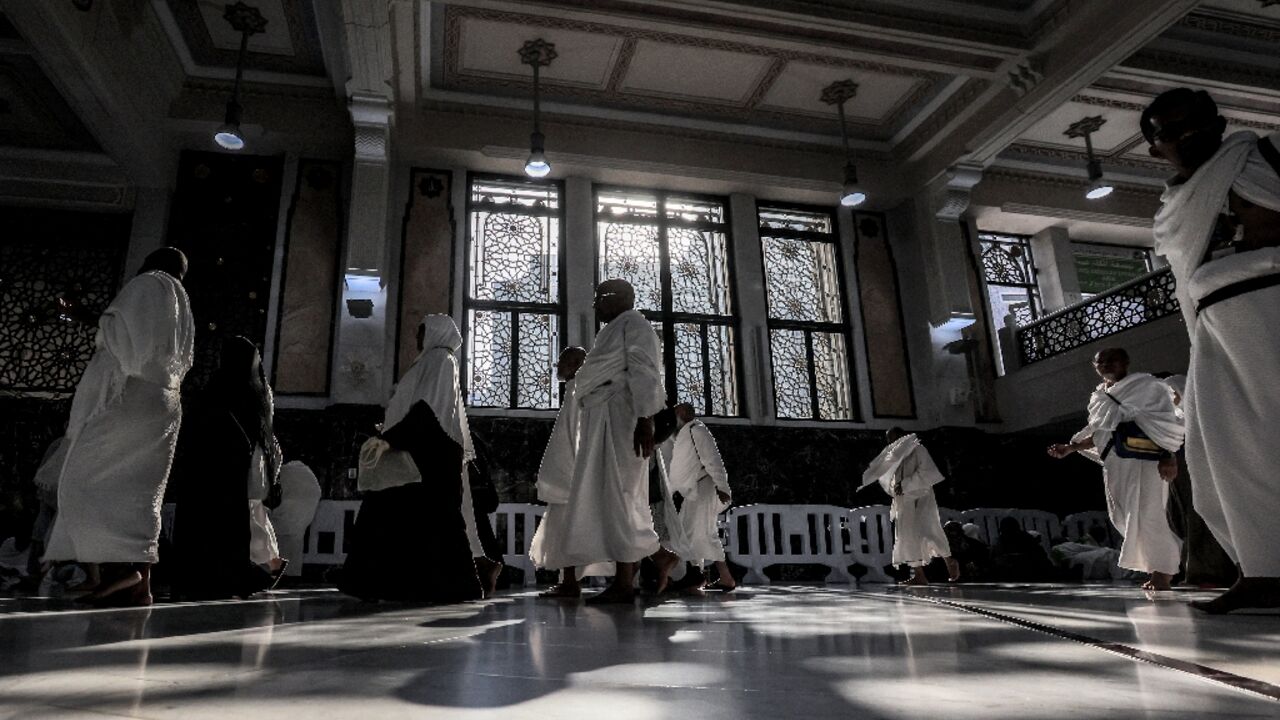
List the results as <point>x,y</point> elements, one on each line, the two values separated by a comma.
<point>1032,288</point>
<point>559,309</point>
<point>808,327</point>
<point>667,317</point>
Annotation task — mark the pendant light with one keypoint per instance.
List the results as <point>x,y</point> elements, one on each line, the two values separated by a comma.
<point>537,54</point>
<point>247,21</point>
<point>1085,128</point>
<point>838,93</point>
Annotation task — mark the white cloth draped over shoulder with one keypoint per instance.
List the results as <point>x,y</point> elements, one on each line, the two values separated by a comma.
<point>124,426</point>
<point>607,513</point>
<point>1140,398</point>
<point>917,528</point>
<point>919,472</point>
<point>1136,494</point>
<point>697,472</point>
<point>1189,210</point>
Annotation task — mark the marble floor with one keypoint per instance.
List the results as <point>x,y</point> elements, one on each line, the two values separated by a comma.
<point>797,651</point>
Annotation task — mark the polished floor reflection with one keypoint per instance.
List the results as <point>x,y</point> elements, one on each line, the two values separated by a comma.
<point>978,652</point>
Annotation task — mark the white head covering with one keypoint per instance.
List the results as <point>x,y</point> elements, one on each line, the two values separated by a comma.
<point>433,378</point>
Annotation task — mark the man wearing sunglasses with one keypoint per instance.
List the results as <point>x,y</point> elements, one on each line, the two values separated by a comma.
<point>1219,228</point>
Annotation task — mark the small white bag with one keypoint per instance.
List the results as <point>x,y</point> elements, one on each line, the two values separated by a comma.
<point>382,468</point>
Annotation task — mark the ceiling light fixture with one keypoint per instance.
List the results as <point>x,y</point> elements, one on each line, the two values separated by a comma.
<point>838,93</point>
<point>247,21</point>
<point>537,54</point>
<point>1085,128</point>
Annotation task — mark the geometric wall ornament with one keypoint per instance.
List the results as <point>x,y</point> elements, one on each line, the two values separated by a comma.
<point>45,255</point>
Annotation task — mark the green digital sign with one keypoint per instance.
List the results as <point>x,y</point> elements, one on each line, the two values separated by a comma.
<point>1100,273</point>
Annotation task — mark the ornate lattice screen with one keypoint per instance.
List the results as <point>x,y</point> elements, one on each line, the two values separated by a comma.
<point>45,255</point>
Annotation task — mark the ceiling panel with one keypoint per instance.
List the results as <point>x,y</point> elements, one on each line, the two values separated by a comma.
<point>274,40</point>
<point>691,72</point>
<point>1120,128</point>
<point>798,89</point>
<point>491,48</point>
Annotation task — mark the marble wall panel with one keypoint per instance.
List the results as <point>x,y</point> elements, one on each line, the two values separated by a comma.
<point>309,281</point>
<point>888,366</point>
<point>426,260</point>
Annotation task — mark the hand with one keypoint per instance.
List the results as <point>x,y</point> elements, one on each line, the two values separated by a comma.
<point>643,437</point>
<point>1168,467</point>
<point>1059,451</point>
<point>724,496</point>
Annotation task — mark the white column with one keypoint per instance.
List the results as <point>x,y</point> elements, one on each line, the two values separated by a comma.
<point>753,311</point>
<point>1056,268</point>
<point>150,220</point>
<point>580,261</point>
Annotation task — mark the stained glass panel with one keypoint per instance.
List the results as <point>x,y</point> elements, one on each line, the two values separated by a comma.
<point>690,383</point>
<point>488,358</point>
<point>796,220</point>
<point>791,391</point>
<point>631,251</point>
<point>699,272</point>
<point>513,296</point>
<point>515,257</point>
<point>802,280</point>
<point>722,355</point>
<point>831,361</point>
<point>539,347</point>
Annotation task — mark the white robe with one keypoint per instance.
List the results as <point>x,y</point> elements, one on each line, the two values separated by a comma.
<point>907,473</point>
<point>299,497</point>
<point>1136,494</point>
<point>608,518</point>
<point>124,426</point>
<point>697,472</point>
<point>555,477</point>
<point>1230,403</point>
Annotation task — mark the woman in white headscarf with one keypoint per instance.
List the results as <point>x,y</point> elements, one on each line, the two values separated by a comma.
<point>414,540</point>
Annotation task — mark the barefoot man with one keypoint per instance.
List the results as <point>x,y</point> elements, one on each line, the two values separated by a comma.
<point>698,474</point>
<point>555,477</point>
<point>1136,431</point>
<point>906,471</point>
<point>618,390</point>
<point>1229,288</point>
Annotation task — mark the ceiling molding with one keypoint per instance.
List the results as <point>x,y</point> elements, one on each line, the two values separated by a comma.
<point>1081,215</point>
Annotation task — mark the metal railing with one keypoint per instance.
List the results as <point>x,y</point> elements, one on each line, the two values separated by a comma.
<point>1137,302</point>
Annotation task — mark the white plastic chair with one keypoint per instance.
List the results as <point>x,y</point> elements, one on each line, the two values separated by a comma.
<point>325,542</point>
<point>514,525</point>
<point>764,535</point>
<point>871,541</point>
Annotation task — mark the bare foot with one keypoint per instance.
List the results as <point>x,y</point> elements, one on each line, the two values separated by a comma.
<point>1158,581</point>
<point>666,562</point>
<point>953,569</point>
<point>916,579</point>
<point>488,572</point>
<point>563,590</point>
<point>1246,593</point>
<point>721,586</point>
<point>127,590</point>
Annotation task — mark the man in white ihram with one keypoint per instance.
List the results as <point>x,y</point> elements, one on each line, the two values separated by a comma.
<point>907,473</point>
<point>123,430</point>
<point>1135,465</point>
<point>555,477</point>
<point>618,391</point>
<point>698,474</point>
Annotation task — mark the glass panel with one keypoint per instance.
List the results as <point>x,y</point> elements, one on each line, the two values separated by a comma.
<point>630,251</point>
<point>724,383</point>
<point>528,196</point>
<point>790,374</point>
<point>801,280</point>
<point>698,211</point>
<point>488,372</point>
<point>1006,259</point>
<point>699,271</point>
<point>690,380</point>
<point>536,386</point>
<point>515,258</point>
<point>831,370</point>
<point>799,220</point>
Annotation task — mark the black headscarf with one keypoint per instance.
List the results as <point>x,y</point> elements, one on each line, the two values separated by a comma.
<point>240,385</point>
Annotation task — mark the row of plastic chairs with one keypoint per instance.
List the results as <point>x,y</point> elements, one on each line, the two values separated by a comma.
<point>758,536</point>
<point>755,536</point>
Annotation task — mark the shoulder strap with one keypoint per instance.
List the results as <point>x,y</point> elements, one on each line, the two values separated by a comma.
<point>1269,153</point>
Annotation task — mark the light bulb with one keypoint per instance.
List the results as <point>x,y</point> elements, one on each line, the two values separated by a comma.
<point>537,166</point>
<point>852,197</point>
<point>229,137</point>
<point>1098,190</point>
